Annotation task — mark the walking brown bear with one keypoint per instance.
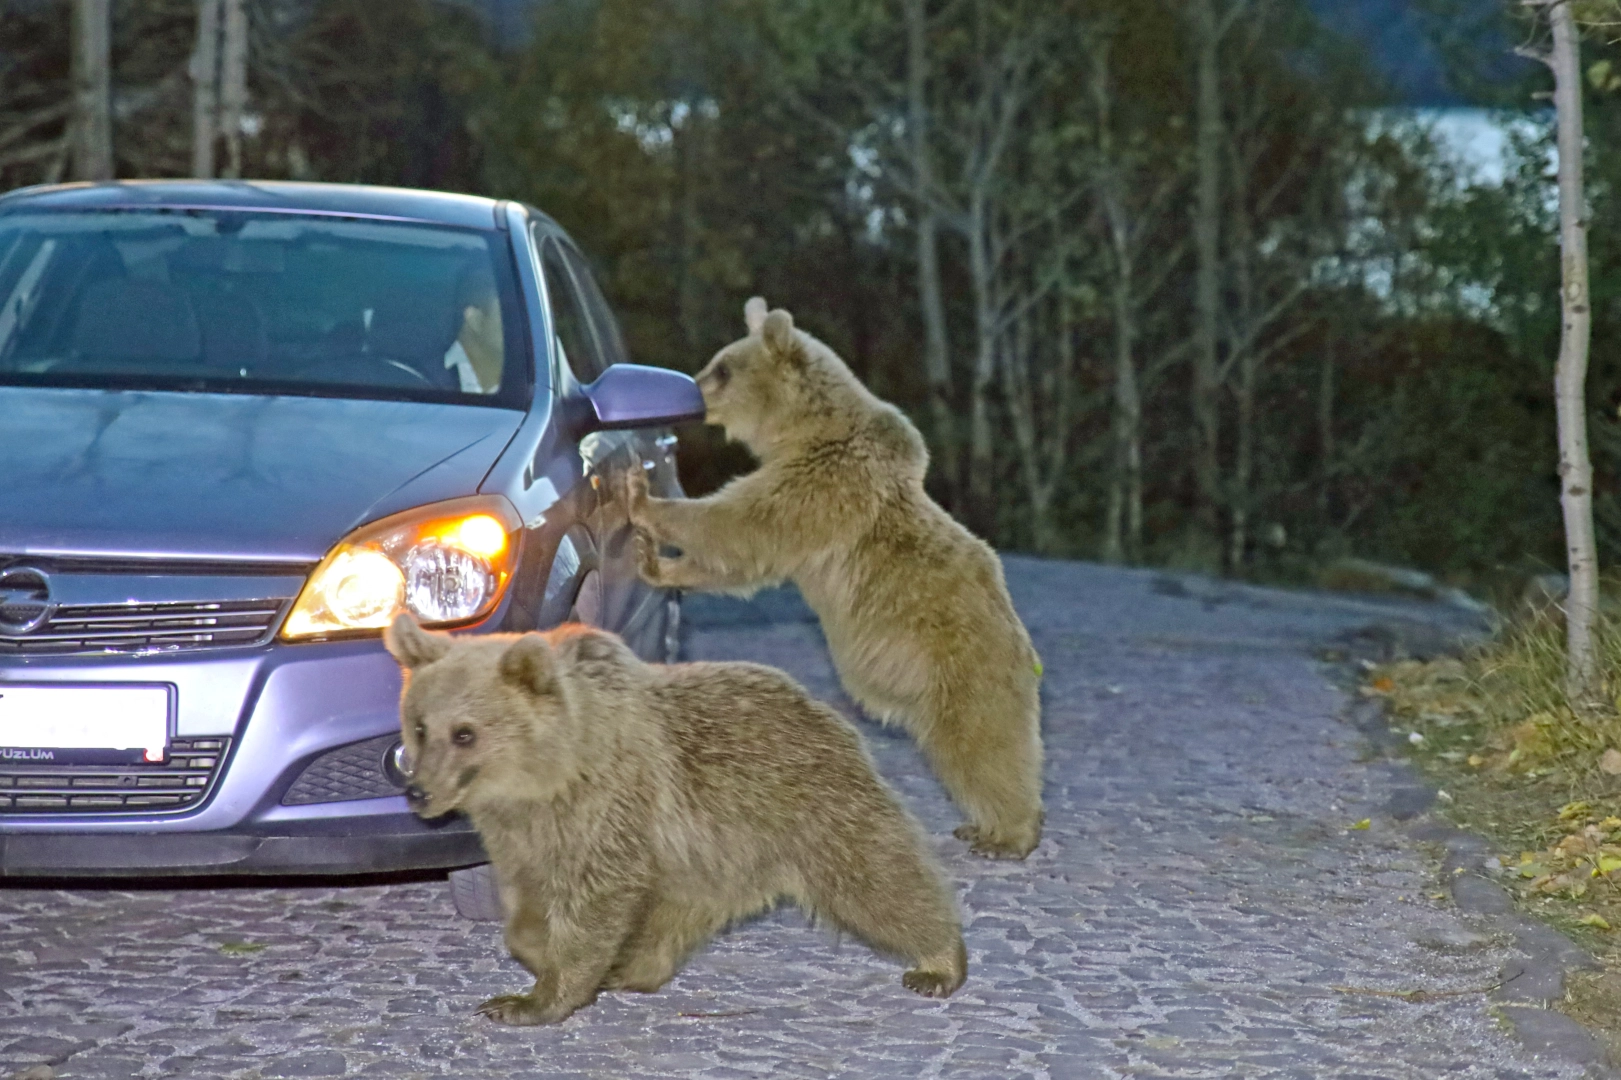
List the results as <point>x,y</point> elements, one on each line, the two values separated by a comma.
<point>632,810</point>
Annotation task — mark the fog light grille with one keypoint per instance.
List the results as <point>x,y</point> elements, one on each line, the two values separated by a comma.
<point>356,771</point>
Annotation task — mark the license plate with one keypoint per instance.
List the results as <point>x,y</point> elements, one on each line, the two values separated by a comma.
<point>83,724</point>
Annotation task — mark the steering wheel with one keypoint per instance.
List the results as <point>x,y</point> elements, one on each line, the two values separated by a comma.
<point>322,370</point>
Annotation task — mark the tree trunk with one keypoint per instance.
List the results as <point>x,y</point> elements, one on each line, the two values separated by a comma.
<point>981,505</point>
<point>936,346</point>
<point>1582,680</point>
<point>1037,397</point>
<point>1123,528</point>
<point>1245,344</point>
<point>234,84</point>
<point>1017,364</point>
<point>1207,281</point>
<point>204,70</point>
<point>1325,424</point>
<point>1244,462</point>
<point>92,157</point>
<point>687,288</point>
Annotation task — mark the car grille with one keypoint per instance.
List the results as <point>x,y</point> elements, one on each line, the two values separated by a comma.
<point>355,771</point>
<point>179,783</point>
<point>113,628</point>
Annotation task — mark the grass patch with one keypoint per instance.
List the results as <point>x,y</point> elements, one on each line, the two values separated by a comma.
<point>1517,764</point>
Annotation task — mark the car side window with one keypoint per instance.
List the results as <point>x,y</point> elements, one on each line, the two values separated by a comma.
<point>571,326</point>
<point>596,306</point>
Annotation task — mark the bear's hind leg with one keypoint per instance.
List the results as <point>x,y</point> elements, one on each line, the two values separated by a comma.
<point>888,896</point>
<point>988,757</point>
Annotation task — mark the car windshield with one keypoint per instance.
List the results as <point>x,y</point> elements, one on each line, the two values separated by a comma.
<point>261,303</point>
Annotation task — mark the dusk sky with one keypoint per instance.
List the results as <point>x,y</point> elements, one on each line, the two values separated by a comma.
<point>1396,35</point>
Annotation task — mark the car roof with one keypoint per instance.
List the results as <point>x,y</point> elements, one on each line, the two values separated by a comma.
<point>284,196</point>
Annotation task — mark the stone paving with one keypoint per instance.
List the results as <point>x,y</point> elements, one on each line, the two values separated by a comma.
<point>1197,901</point>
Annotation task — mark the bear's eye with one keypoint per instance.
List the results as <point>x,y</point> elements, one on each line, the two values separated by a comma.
<point>463,736</point>
<point>421,731</point>
<point>723,373</point>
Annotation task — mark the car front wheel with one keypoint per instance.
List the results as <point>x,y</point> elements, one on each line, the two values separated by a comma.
<point>474,893</point>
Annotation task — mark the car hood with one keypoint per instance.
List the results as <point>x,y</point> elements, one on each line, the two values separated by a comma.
<point>105,473</point>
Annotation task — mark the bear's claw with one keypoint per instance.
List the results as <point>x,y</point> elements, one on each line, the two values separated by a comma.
<point>519,1010</point>
<point>647,557</point>
<point>934,984</point>
<point>993,847</point>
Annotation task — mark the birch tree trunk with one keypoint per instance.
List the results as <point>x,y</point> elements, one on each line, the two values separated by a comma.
<point>234,84</point>
<point>92,157</point>
<point>1123,522</point>
<point>1570,377</point>
<point>936,345</point>
<point>981,501</point>
<point>204,71</point>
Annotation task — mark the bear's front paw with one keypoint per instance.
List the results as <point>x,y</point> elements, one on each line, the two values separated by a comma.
<point>636,494</point>
<point>521,1010</point>
<point>991,846</point>
<point>934,984</point>
<point>647,558</point>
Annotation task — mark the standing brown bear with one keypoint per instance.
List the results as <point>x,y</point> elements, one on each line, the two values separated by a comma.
<point>914,606</point>
<point>631,810</point>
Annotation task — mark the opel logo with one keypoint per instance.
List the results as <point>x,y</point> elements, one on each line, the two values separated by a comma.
<point>25,600</point>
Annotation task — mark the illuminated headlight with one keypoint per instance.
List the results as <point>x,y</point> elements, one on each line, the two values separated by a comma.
<point>446,563</point>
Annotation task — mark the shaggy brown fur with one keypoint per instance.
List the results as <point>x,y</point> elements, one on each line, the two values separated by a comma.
<point>914,607</point>
<point>631,810</point>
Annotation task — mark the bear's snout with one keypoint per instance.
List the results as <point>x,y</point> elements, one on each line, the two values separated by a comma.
<point>418,799</point>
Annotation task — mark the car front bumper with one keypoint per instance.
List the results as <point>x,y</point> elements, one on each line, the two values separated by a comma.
<point>282,707</point>
<point>380,844</point>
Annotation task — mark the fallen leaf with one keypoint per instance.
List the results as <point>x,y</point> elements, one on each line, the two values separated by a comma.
<point>1573,845</point>
<point>1572,811</point>
<point>1476,760</point>
<point>1532,870</point>
<point>1610,824</point>
<point>1384,684</point>
<point>1594,919</point>
<point>241,948</point>
<point>1610,762</point>
<point>1363,824</point>
<point>1608,864</point>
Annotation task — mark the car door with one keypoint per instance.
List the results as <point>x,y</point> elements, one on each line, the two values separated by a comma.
<point>586,342</point>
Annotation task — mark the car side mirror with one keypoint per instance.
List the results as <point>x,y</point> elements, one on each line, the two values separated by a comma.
<point>635,396</point>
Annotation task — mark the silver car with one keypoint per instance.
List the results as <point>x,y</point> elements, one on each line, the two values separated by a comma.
<point>242,425</point>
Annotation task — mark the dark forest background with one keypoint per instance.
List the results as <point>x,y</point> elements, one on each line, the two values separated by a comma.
<point>1176,282</point>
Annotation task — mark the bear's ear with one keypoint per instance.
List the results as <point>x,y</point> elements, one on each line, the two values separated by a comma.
<point>778,330</point>
<point>754,314</point>
<point>529,664</point>
<point>598,645</point>
<point>411,645</point>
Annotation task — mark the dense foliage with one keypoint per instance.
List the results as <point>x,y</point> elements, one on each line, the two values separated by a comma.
<point>1162,281</point>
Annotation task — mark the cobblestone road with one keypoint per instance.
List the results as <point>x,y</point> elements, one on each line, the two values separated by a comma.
<point>1196,900</point>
